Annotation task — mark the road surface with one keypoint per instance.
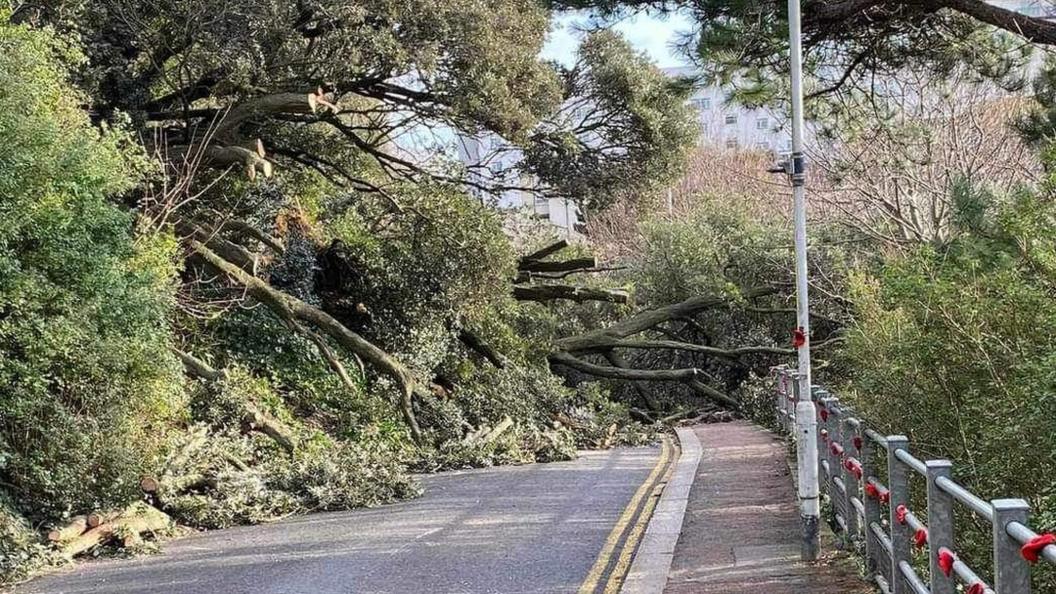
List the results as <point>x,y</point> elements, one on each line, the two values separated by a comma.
<point>560,527</point>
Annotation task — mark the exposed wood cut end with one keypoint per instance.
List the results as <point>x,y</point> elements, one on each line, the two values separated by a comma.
<point>149,484</point>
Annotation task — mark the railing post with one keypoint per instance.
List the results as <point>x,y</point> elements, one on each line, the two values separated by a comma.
<point>805,431</point>
<point>1011,572</point>
<point>818,395</point>
<point>791,390</point>
<point>824,450</point>
<point>898,484</point>
<point>940,525</point>
<point>782,400</point>
<point>850,481</point>
<point>867,456</point>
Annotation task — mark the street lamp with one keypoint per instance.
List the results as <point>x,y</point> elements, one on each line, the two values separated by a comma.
<point>806,422</point>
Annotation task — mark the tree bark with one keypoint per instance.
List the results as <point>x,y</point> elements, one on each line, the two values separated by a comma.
<point>225,223</point>
<point>562,266</point>
<point>222,156</point>
<point>643,392</point>
<point>258,421</point>
<point>77,526</point>
<point>697,348</point>
<point>275,103</point>
<point>254,419</point>
<point>547,250</point>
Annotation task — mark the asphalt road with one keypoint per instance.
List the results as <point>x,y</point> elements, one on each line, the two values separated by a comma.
<point>535,528</point>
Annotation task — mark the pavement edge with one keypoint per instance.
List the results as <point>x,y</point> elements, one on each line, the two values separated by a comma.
<point>652,562</point>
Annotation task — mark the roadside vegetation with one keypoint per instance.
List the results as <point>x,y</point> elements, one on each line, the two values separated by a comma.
<point>243,275</point>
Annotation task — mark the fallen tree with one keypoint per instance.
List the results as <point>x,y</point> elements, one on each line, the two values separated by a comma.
<point>296,312</point>
<point>573,352</point>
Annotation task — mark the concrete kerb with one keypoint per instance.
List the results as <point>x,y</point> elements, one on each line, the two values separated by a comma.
<point>652,562</point>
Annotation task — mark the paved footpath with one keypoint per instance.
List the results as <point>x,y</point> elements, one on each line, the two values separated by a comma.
<point>535,528</point>
<point>741,530</point>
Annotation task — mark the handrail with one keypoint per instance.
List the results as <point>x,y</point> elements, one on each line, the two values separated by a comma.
<point>908,459</point>
<point>1023,535</point>
<point>966,497</point>
<point>848,451</point>
<point>876,437</point>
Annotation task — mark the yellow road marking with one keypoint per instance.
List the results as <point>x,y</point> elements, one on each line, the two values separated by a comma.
<point>596,571</point>
<point>623,564</point>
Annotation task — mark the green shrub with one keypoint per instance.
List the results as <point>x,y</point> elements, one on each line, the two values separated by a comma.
<point>88,388</point>
<point>955,347</point>
<point>21,552</point>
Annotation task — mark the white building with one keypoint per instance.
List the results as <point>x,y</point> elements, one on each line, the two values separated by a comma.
<point>726,124</point>
<point>492,162</point>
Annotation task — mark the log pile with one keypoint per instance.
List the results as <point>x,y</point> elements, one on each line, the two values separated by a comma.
<point>125,528</point>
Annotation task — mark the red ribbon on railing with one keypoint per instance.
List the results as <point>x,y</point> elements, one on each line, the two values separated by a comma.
<point>857,441</point>
<point>946,559</point>
<point>799,338</point>
<point>900,514</point>
<point>836,449</point>
<point>920,538</point>
<point>872,491</point>
<point>976,588</point>
<point>853,466</point>
<point>1033,547</point>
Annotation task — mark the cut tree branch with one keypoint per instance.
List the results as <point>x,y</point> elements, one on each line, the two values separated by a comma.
<point>544,293</point>
<point>253,419</point>
<point>562,266</point>
<point>548,250</point>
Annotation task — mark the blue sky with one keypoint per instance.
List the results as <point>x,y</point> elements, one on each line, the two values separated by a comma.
<point>652,34</point>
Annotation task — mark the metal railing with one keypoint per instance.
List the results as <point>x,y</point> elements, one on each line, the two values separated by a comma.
<point>880,517</point>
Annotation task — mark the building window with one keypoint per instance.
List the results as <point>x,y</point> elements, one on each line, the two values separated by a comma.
<point>763,145</point>
<point>762,123</point>
<point>731,119</point>
<point>731,143</point>
<point>702,103</point>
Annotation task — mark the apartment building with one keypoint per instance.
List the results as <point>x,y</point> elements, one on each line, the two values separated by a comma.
<point>732,126</point>
<point>490,160</point>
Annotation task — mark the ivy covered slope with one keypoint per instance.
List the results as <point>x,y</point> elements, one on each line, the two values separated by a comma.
<point>229,292</point>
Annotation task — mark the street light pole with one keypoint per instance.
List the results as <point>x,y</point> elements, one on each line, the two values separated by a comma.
<point>806,422</point>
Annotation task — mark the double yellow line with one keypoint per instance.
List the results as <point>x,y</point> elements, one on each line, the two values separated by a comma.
<point>650,492</point>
